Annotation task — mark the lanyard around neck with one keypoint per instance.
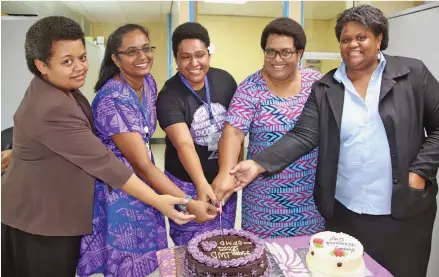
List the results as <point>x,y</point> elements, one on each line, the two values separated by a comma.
<point>136,98</point>
<point>206,85</point>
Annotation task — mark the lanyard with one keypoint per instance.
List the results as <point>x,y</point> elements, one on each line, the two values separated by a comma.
<point>136,98</point>
<point>206,85</point>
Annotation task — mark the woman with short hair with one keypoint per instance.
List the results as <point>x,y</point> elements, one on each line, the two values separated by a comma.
<point>47,190</point>
<point>375,120</point>
<point>266,105</point>
<point>191,109</point>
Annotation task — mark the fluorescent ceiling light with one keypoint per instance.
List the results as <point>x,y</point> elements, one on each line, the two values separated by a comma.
<point>226,1</point>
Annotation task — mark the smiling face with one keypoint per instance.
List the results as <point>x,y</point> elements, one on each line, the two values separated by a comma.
<point>140,64</point>
<point>359,47</point>
<point>193,61</point>
<point>67,67</point>
<point>277,67</point>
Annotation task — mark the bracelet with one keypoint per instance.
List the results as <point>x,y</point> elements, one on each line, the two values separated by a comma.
<point>183,207</point>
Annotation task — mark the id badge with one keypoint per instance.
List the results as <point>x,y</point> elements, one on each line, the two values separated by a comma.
<point>149,151</point>
<point>146,129</point>
<point>213,139</point>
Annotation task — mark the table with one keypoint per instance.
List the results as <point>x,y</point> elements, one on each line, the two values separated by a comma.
<point>288,262</point>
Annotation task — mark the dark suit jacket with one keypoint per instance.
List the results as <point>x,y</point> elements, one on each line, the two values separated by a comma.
<point>7,138</point>
<point>48,188</point>
<point>409,102</point>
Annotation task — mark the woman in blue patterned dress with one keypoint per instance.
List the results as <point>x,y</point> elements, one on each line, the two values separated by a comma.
<point>266,105</point>
<point>126,232</point>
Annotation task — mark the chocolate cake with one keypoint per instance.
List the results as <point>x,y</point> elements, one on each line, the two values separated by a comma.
<point>237,253</point>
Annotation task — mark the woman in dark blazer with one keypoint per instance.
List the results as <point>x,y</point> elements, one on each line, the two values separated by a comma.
<point>376,174</point>
<point>47,190</point>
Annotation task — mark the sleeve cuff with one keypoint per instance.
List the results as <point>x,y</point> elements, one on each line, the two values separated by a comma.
<point>414,170</point>
<point>118,175</point>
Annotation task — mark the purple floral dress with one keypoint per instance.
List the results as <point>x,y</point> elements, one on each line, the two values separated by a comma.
<point>126,232</point>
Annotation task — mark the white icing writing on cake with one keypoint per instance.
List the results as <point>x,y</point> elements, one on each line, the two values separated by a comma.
<point>226,243</point>
<point>339,242</point>
<point>228,252</point>
<point>220,255</point>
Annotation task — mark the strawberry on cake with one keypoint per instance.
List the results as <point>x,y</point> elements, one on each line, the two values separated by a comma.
<point>335,255</point>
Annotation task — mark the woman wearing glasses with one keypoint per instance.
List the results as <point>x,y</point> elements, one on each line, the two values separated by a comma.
<point>126,232</point>
<point>375,119</point>
<point>266,105</point>
<point>191,108</point>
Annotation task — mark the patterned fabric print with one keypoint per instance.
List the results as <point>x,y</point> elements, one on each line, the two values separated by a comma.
<point>182,234</point>
<point>126,232</point>
<point>283,204</point>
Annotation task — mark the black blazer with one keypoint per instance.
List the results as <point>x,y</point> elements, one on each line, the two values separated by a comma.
<point>7,138</point>
<point>409,102</point>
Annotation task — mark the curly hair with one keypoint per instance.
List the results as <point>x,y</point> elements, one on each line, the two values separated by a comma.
<point>43,33</point>
<point>287,27</point>
<point>189,30</point>
<point>370,17</point>
<point>108,67</point>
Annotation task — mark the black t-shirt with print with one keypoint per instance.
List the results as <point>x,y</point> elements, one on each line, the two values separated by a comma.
<point>177,104</point>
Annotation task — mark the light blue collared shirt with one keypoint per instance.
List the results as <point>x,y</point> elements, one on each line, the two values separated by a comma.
<point>364,177</point>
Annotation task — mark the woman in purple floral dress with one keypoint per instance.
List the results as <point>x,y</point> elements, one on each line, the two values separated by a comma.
<point>126,232</point>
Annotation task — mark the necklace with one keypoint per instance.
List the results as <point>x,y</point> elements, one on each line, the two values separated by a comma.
<point>139,92</point>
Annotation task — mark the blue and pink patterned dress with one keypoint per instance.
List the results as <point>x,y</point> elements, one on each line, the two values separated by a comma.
<point>281,205</point>
<point>126,232</point>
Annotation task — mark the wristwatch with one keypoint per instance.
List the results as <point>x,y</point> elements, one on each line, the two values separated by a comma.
<point>183,207</point>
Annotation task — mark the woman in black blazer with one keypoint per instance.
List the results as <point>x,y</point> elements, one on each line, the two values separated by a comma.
<point>376,174</point>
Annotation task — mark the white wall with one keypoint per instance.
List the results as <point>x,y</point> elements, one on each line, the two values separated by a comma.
<point>414,33</point>
<point>95,54</point>
<point>15,76</point>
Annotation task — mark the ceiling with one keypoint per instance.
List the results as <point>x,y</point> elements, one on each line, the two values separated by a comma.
<point>317,10</point>
<point>111,12</point>
<point>120,11</point>
<point>117,12</point>
<point>250,8</point>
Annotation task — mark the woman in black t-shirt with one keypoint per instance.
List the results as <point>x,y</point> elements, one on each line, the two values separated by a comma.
<point>191,108</point>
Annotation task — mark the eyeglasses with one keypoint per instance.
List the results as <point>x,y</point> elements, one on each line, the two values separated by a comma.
<point>136,51</point>
<point>284,54</point>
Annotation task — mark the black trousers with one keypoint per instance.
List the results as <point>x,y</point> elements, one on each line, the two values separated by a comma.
<point>402,246</point>
<point>28,255</point>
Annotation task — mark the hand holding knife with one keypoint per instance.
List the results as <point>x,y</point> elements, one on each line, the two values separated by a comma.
<point>221,215</point>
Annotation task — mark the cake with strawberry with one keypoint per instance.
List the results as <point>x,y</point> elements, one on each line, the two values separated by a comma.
<point>335,255</point>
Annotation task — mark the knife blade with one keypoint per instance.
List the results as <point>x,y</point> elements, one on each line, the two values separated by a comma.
<point>221,218</point>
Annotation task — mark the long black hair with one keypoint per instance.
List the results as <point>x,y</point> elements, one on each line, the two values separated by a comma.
<point>108,67</point>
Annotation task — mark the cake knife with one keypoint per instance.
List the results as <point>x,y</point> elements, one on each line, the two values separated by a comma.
<point>221,221</point>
